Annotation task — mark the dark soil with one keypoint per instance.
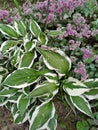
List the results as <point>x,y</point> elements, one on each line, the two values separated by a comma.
<point>66,119</point>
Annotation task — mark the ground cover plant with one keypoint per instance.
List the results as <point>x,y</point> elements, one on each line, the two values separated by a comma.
<point>55,55</point>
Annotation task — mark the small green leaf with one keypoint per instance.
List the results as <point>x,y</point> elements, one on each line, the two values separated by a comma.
<point>42,38</point>
<point>54,33</point>
<point>23,77</point>
<point>8,30</point>
<point>27,59</point>
<point>82,105</point>
<point>42,114</point>
<point>35,28</point>
<point>30,45</point>
<point>56,60</point>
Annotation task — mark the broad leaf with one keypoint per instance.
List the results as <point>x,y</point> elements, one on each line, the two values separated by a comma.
<point>8,30</point>
<point>35,28</point>
<point>42,115</point>
<point>56,60</point>
<point>22,78</point>
<point>27,59</point>
<point>82,104</point>
<point>74,87</point>
<point>44,89</point>
<point>8,45</point>
<point>20,27</point>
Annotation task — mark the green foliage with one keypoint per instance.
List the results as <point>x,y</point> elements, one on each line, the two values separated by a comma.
<point>32,74</point>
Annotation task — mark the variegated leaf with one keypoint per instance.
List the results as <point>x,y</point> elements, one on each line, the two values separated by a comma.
<point>22,104</point>
<point>8,30</point>
<point>23,77</point>
<point>74,87</point>
<point>92,94</point>
<point>82,105</point>
<point>41,116</point>
<point>56,60</point>
<point>8,45</point>
<point>35,28</point>
<point>6,92</point>
<point>27,59</point>
<point>42,38</point>
<point>91,83</point>
<point>52,124</point>
<point>20,27</point>
<point>45,89</point>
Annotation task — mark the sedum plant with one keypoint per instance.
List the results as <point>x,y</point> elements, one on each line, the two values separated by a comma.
<point>31,74</point>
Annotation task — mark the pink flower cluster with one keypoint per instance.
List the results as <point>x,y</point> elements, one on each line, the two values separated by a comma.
<point>74,44</point>
<point>5,16</point>
<point>86,53</point>
<point>81,70</point>
<point>58,7</point>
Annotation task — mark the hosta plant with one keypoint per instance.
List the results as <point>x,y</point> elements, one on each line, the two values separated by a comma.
<point>31,74</point>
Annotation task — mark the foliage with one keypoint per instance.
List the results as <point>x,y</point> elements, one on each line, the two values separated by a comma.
<point>34,66</point>
<point>33,73</point>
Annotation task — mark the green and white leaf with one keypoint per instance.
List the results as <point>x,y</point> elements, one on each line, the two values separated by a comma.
<point>27,59</point>
<point>1,77</point>
<point>45,89</point>
<point>82,105</point>
<point>3,101</point>
<point>18,118</point>
<point>8,30</point>
<point>22,104</point>
<point>51,77</point>
<point>91,83</point>
<point>74,87</point>
<point>42,38</point>
<point>68,100</point>
<point>52,124</point>
<point>56,60</point>
<point>15,59</point>
<point>30,45</point>
<point>20,27</point>
<point>23,77</point>
<point>35,28</point>
<point>6,92</point>
<point>8,45</point>
<point>92,94</point>
<point>41,116</point>
<point>14,98</point>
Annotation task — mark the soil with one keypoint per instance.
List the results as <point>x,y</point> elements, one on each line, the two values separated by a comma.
<point>66,119</point>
